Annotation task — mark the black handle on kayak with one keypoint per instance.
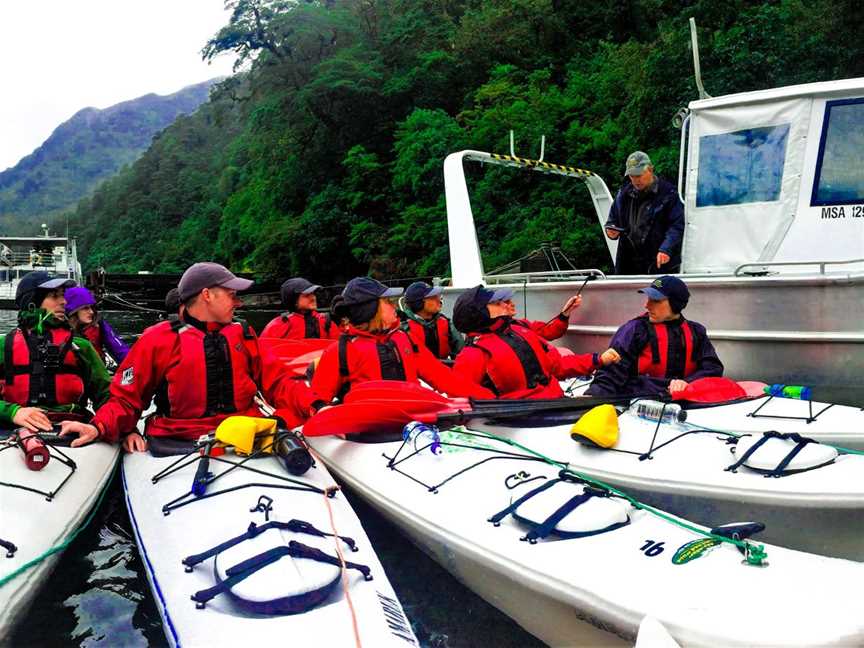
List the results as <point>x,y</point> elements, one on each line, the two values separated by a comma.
<point>202,474</point>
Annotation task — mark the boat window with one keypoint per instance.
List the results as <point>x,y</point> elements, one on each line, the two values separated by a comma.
<point>741,167</point>
<point>839,173</point>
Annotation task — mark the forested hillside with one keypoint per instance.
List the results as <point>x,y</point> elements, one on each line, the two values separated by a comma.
<point>82,152</point>
<point>324,156</point>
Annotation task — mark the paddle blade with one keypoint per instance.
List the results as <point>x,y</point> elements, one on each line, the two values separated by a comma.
<point>711,390</point>
<point>357,418</point>
<point>293,348</point>
<point>398,391</point>
<point>753,388</point>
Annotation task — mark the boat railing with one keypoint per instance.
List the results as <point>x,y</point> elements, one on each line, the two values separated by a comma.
<point>545,276</point>
<point>760,267</point>
<point>13,258</point>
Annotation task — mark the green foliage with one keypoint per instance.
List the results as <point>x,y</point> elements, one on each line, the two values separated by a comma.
<point>324,156</point>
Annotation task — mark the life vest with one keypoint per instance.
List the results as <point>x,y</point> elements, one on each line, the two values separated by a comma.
<point>212,373</point>
<point>42,370</point>
<point>93,334</point>
<point>391,358</point>
<point>308,325</point>
<point>518,359</point>
<point>671,350</point>
<point>434,336</point>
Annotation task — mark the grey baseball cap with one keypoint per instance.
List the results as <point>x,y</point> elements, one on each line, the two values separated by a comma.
<point>207,275</point>
<point>636,163</point>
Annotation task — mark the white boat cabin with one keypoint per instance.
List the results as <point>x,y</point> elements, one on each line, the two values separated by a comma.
<point>771,183</point>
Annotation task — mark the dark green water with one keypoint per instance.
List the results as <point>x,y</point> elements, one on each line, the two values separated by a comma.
<point>98,595</point>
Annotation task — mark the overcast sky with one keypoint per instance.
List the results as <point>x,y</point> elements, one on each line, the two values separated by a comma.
<point>59,56</point>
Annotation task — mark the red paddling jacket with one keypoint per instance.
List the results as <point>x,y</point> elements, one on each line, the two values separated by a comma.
<point>199,374</point>
<point>301,326</point>
<point>551,330</point>
<point>515,362</point>
<point>360,356</point>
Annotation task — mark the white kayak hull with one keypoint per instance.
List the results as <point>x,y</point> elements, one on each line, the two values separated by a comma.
<point>36,524</point>
<point>838,425</point>
<point>164,540</point>
<point>596,590</point>
<point>819,510</point>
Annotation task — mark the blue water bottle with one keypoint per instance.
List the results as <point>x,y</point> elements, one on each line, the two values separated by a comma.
<point>422,435</point>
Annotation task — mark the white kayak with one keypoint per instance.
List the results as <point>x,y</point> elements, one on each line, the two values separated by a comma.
<point>606,565</point>
<point>815,503</point>
<point>840,425</point>
<point>39,522</point>
<point>273,582</point>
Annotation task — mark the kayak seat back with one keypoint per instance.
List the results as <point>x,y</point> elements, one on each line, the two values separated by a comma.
<point>566,509</point>
<point>777,455</point>
<point>256,579</point>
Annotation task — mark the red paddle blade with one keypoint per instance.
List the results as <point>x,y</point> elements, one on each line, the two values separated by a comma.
<point>357,418</point>
<point>397,391</point>
<point>293,348</point>
<point>711,390</point>
<point>753,388</point>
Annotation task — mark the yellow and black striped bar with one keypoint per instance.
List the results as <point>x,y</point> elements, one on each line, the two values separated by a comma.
<point>543,166</point>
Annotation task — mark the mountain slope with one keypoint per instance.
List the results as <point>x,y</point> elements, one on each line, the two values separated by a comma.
<point>85,150</point>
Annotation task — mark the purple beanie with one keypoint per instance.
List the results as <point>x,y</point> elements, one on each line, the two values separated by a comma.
<point>77,298</point>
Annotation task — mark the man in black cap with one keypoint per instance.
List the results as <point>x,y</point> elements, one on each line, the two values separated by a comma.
<point>424,322</point>
<point>301,320</point>
<point>649,214</point>
<point>47,374</point>
<point>508,357</point>
<point>373,347</point>
<point>661,351</point>
<point>200,370</point>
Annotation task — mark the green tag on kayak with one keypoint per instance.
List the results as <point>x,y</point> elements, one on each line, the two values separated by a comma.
<point>693,550</point>
<point>463,439</point>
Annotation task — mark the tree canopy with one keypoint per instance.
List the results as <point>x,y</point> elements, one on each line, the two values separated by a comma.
<point>323,154</point>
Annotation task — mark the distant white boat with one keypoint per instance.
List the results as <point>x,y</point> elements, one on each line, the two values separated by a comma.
<point>19,255</point>
<point>773,252</point>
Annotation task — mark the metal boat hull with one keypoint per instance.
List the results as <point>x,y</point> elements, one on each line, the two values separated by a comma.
<point>791,329</point>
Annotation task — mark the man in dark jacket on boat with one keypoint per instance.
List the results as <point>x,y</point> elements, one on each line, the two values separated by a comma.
<point>647,220</point>
<point>199,370</point>
<point>661,351</point>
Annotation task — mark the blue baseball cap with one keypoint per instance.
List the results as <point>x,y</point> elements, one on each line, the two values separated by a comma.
<point>420,290</point>
<point>668,287</point>
<point>364,289</point>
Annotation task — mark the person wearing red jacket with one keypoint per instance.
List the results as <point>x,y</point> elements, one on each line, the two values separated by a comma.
<point>374,348</point>
<point>424,322</point>
<point>554,328</point>
<point>509,358</point>
<point>200,370</point>
<point>301,320</point>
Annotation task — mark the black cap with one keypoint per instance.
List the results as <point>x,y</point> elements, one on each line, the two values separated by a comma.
<point>35,285</point>
<point>360,299</point>
<point>172,301</point>
<point>293,288</point>
<point>418,291</point>
<point>671,288</point>
<point>470,314</point>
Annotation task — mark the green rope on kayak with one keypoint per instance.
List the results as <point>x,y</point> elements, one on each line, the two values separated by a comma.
<point>754,554</point>
<point>68,540</point>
